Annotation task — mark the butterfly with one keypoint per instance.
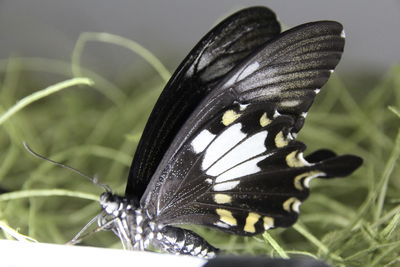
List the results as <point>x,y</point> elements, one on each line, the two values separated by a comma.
<point>219,148</point>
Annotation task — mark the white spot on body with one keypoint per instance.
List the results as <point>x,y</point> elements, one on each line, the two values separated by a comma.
<point>251,147</point>
<point>197,250</point>
<point>159,236</point>
<point>343,34</point>
<point>204,252</point>
<point>170,239</point>
<point>276,114</point>
<point>202,140</point>
<point>331,71</point>
<point>180,244</point>
<point>151,235</point>
<point>189,247</point>
<point>304,114</point>
<point>317,91</point>
<point>152,225</point>
<point>116,213</point>
<point>222,144</point>
<point>111,207</point>
<point>139,219</point>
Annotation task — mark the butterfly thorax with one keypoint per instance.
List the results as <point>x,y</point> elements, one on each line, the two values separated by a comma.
<point>138,231</point>
<point>126,219</point>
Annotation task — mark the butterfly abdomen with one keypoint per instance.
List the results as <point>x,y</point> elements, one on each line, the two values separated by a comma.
<point>181,241</point>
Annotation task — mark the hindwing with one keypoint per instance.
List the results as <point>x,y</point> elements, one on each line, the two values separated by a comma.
<point>242,173</point>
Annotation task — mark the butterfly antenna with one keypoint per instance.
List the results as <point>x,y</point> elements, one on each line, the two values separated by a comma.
<point>92,179</point>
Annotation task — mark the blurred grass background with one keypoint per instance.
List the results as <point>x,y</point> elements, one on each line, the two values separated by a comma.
<point>348,222</point>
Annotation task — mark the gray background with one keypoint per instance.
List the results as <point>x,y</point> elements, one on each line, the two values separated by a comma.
<point>49,28</point>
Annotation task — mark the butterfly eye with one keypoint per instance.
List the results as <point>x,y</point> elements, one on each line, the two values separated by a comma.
<point>105,197</point>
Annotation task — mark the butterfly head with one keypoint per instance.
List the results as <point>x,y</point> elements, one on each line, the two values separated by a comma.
<point>109,203</point>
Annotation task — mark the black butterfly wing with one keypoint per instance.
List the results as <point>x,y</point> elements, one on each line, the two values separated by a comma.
<point>210,60</point>
<point>235,164</point>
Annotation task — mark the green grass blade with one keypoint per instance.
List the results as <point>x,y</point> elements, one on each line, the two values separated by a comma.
<point>41,94</point>
<point>117,40</point>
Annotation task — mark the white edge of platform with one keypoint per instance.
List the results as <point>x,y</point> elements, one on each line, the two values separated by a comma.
<point>26,254</point>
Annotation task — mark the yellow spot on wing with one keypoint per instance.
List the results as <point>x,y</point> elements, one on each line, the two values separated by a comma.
<point>251,220</point>
<point>268,222</point>
<point>280,140</point>
<point>222,198</point>
<point>295,159</point>
<point>299,179</point>
<point>229,117</point>
<point>226,217</point>
<point>264,121</point>
<point>292,204</point>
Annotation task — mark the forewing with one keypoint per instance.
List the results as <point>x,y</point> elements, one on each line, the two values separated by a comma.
<point>285,74</point>
<point>210,60</point>
<point>290,70</point>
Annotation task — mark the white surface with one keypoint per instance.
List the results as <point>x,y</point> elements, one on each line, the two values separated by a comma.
<point>27,254</point>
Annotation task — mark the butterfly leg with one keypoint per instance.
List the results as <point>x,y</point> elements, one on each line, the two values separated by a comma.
<point>185,242</point>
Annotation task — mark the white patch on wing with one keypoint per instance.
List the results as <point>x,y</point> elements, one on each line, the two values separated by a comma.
<point>251,147</point>
<point>276,114</point>
<point>296,206</point>
<point>248,70</point>
<point>202,140</point>
<point>243,169</point>
<point>225,186</point>
<point>289,103</point>
<point>221,224</point>
<point>309,178</point>
<point>243,106</point>
<point>222,144</point>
